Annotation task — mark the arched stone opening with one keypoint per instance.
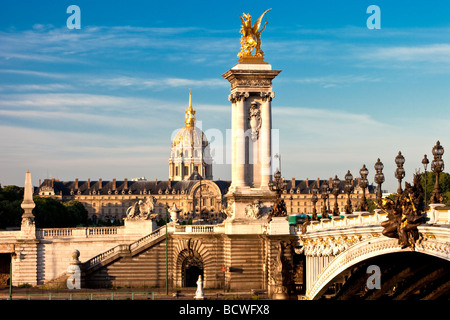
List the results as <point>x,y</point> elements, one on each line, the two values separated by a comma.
<point>192,268</point>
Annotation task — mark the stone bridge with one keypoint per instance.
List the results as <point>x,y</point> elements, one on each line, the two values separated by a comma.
<point>335,247</point>
<point>336,254</point>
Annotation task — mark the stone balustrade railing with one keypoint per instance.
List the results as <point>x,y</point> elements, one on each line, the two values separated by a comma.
<point>78,232</point>
<point>349,220</point>
<point>148,238</point>
<point>217,228</point>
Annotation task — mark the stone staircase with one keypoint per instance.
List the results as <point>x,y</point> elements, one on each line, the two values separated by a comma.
<point>129,265</point>
<point>124,260</point>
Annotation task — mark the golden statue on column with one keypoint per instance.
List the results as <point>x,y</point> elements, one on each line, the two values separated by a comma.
<point>251,36</point>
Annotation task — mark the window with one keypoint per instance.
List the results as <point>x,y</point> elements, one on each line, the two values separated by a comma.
<point>186,170</point>
<point>177,173</point>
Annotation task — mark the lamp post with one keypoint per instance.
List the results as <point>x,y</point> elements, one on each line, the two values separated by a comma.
<point>167,253</point>
<point>363,183</point>
<point>425,163</point>
<point>348,189</point>
<point>399,172</point>
<point>336,183</point>
<point>324,189</point>
<point>437,165</point>
<point>13,254</point>
<point>379,178</point>
<point>277,184</point>
<point>314,199</point>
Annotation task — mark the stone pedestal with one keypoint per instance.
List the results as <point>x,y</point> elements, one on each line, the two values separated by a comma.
<point>74,272</point>
<point>139,226</point>
<point>249,209</point>
<point>433,214</point>
<point>279,226</point>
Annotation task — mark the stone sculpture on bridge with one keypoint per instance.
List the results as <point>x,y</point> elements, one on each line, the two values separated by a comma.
<point>404,214</point>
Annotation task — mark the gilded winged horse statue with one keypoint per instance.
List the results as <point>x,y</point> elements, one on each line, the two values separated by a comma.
<point>251,36</point>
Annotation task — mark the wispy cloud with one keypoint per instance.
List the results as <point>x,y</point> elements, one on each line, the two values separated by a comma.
<point>59,45</point>
<point>157,83</point>
<point>335,80</point>
<point>433,53</point>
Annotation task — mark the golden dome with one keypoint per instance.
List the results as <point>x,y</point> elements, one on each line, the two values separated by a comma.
<point>190,136</point>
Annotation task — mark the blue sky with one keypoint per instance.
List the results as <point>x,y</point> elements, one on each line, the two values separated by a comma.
<point>104,101</point>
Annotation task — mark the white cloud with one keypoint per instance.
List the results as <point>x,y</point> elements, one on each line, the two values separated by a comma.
<point>156,83</point>
<point>334,80</point>
<point>435,53</point>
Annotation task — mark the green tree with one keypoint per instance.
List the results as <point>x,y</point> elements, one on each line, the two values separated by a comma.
<point>77,214</point>
<point>444,184</point>
<point>10,210</point>
<point>50,213</point>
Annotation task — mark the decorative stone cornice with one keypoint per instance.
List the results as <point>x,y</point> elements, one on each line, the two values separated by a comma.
<point>250,80</point>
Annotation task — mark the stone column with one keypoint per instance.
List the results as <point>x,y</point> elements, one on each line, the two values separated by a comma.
<point>238,135</point>
<point>266,140</point>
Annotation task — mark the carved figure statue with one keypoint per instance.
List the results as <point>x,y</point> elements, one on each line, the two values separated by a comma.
<point>281,277</point>
<point>404,214</point>
<point>253,210</point>
<point>142,209</point>
<point>251,35</point>
<point>255,120</point>
<point>199,294</point>
<point>279,209</point>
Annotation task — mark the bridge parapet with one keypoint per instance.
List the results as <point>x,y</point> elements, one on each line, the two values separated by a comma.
<point>349,220</point>
<point>438,214</point>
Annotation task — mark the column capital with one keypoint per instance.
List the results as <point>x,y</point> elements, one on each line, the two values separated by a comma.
<point>238,96</point>
<point>267,96</point>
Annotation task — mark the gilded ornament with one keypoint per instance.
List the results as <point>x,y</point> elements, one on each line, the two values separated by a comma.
<point>251,36</point>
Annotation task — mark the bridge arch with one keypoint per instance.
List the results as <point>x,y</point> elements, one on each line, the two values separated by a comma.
<point>365,250</point>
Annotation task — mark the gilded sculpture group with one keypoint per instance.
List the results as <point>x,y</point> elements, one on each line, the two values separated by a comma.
<point>404,214</point>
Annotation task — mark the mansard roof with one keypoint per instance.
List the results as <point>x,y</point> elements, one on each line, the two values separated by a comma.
<point>102,187</point>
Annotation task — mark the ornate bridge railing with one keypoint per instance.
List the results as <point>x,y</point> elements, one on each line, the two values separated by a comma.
<point>351,220</point>
<point>437,214</point>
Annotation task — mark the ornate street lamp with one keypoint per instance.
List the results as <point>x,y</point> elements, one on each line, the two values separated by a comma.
<point>379,178</point>
<point>336,183</point>
<point>363,183</point>
<point>314,199</point>
<point>437,165</point>
<point>425,163</point>
<point>348,189</point>
<point>399,172</point>
<point>324,189</point>
<point>278,185</point>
